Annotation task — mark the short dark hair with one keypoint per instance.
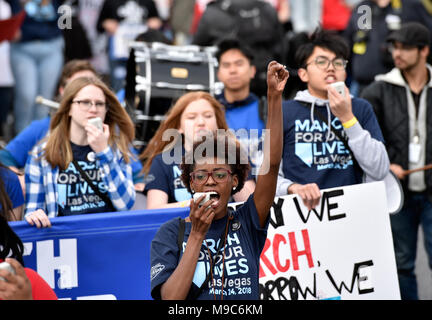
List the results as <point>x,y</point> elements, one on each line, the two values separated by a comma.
<point>233,43</point>
<point>231,145</point>
<point>324,39</point>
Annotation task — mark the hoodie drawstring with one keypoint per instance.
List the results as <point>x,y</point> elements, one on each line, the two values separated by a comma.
<point>328,118</point>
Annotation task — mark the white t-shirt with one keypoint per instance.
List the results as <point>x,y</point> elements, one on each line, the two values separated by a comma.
<point>6,77</point>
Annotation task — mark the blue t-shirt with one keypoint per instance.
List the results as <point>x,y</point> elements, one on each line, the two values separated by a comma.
<point>75,196</point>
<point>244,243</point>
<point>245,114</point>
<point>12,187</point>
<point>165,176</point>
<point>23,143</point>
<point>309,158</point>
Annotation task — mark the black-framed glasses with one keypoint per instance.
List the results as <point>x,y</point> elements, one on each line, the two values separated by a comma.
<point>323,63</point>
<point>87,104</point>
<point>218,175</point>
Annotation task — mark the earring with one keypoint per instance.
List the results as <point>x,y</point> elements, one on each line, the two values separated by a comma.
<point>234,188</point>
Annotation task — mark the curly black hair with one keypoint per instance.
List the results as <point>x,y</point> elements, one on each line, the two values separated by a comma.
<point>217,145</point>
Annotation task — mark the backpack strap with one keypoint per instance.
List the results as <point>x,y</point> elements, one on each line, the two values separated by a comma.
<point>262,108</point>
<point>101,195</point>
<point>180,235</point>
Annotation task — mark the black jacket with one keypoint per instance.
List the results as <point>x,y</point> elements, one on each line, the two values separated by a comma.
<point>376,59</point>
<point>388,97</point>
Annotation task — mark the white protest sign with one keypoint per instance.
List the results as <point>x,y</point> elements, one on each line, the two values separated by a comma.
<point>341,250</point>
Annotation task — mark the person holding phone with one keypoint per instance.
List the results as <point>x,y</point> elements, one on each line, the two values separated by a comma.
<point>79,168</point>
<point>330,139</point>
<point>201,264</point>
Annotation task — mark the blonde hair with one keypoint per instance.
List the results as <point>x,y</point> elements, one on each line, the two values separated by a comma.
<point>172,121</point>
<point>58,151</point>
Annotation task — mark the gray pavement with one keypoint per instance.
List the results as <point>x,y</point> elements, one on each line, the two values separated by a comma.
<point>424,274</point>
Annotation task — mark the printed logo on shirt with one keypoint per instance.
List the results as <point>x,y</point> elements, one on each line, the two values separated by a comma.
<point>235,267</point>
<point>318,146</point>
<point>155,270</point>
<point>180,191</point>
<point>74,194</point>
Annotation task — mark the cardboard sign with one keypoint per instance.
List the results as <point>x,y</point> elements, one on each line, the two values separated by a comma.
<point>342,249</point>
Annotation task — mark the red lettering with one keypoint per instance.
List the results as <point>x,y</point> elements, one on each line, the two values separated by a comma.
<point>296,253</point>
<point>276,265</point>
<point>278,238</point>
<point>266,260</point>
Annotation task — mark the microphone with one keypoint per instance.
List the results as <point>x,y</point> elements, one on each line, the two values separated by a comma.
<point>46,102</point>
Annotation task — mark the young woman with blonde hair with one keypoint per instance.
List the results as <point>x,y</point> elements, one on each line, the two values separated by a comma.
<point>75,151</point>
<point>193,115</point>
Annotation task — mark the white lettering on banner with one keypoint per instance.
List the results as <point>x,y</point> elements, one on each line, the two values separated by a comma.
<point>28,248</point>
<point>65,263</point>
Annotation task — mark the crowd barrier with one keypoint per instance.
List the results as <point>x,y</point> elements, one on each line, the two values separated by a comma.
<point>341,250</point>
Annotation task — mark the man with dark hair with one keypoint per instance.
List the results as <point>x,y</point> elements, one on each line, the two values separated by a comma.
<point>243,109</point>
<point>254,22</point>
<point>370,23</point>
<point>402,99</point>
<point>235,71</point>
<point>330,139</point>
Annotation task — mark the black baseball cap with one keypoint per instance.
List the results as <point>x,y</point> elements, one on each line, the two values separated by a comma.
<point>412,34</point>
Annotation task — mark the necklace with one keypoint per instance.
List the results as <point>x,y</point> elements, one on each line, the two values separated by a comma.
<point>230,217</point>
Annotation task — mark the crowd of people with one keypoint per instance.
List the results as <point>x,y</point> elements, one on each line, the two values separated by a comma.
<point>276,74</point>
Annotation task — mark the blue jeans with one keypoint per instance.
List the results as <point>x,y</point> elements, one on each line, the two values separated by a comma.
<point>36,66</point>
<point>416,210</point>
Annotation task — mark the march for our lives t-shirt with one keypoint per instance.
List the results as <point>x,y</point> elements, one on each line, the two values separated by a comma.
<point>75,196</point>
<point>309,156</point>
<point>165,176</point>
<point>245,241</point>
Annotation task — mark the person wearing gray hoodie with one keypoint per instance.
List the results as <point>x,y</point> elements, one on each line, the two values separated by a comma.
<point>314,157</point>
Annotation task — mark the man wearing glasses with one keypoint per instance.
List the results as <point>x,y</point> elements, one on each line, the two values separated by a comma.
<point>319,119</point>
<point>402,99</point>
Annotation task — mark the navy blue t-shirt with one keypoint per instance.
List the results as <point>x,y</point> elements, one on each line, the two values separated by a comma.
<point>308,157</point>
<point>75,196</point>
<point>165,176</point>
<point>243,117</point>
<point>245,241</point>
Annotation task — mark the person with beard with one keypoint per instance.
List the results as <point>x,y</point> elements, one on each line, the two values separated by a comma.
<point>402,99</point>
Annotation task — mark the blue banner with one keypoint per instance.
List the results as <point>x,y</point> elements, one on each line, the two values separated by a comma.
<point>96,256</point>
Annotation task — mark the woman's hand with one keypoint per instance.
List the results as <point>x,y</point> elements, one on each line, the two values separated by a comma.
<point>201,217</point>
<point>98,140</point>
<point>38,218</point>
<point>277,77</point>
<point>16,286</point>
